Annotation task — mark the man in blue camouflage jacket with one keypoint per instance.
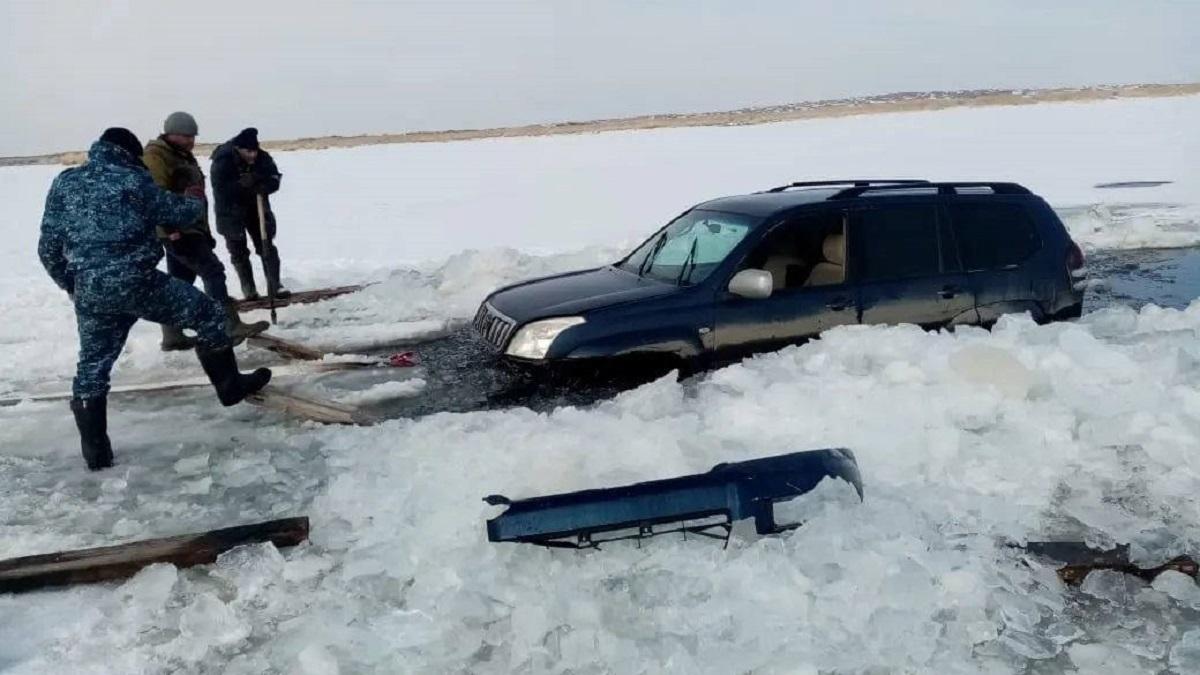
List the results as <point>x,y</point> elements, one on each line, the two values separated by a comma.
<point>98,244</point>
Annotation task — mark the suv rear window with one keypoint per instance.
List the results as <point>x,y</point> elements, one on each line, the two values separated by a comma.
<point>994,236</point>
<point>898,242</point>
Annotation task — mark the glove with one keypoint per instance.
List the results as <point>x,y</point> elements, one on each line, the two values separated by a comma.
<point>246,181</point>
<point>212,242</point>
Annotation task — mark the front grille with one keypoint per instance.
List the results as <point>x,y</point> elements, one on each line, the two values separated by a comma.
<point>493,327</point>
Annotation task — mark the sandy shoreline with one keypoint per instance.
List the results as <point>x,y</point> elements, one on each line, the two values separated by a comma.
<point>887,103</point>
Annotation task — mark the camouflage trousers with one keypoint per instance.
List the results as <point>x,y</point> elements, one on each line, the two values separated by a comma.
<point>107,304</point>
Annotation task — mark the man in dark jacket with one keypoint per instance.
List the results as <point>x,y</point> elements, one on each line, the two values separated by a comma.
<point>241,174</point>
<point>98,244</point>
<point>190,249</point>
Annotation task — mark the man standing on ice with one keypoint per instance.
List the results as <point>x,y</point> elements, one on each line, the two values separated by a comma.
<point>98,244</point>
<point>190,249</point>
<point>242,174</point>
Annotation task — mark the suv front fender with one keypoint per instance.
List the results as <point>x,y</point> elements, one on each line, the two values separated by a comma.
<point>679,342</point>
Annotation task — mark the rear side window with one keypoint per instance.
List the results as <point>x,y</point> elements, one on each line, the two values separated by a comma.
<point>994,236</point>
<point>898,242</point>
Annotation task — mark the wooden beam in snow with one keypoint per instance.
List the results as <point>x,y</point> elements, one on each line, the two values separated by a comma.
<point>118,562</point>
<point>299,297</point>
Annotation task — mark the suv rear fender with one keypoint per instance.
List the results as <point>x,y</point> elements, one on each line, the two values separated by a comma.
<point>988,314</point>
<point>1058,244</point>
<point>968,318</point>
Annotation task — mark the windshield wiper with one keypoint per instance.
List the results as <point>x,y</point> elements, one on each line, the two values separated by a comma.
<point>648,261</point>
<point>689,261</point>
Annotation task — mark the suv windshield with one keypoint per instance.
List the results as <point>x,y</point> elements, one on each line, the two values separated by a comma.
<point>688,249</point>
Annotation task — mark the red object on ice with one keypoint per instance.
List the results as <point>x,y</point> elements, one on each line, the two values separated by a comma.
<point>403,360</point>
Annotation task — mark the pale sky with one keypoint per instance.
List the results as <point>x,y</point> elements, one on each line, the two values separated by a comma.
<point>68,69</point>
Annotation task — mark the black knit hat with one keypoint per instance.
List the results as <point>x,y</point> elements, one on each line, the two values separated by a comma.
<point>247,138</point>
<point>124,139</point>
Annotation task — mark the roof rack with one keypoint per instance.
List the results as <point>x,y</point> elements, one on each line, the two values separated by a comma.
<point>857,182</point>
<point>943,188</point>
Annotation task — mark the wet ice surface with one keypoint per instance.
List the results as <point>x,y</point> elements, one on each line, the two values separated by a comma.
<point>1168,277</point>
<point>967,441</point>
<point>1076,431</point>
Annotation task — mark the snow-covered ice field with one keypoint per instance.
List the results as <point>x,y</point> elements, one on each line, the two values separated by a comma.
<point>1087,430</point>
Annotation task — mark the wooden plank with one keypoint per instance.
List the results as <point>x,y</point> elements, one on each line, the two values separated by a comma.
<point>300,297</point>
<point>118,562</point>
<point>158,387</point>
<point>292,350</point>
<point>1082,559</point>
<point>115,391</point>
<point>326,412</point>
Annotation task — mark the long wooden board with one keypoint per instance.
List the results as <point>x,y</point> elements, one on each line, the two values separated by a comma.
<point>118,562</point>
<point>1081,559</point>
<point>299,297</point>
<point>292,350</point>
<point>192,383</point>
<point>326,412</point>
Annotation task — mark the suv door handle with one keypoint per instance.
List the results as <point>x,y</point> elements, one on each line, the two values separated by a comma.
<point>837,304</point>
<point>948,292</point>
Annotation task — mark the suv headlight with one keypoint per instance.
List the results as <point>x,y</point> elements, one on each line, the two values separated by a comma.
<point>533,340</point>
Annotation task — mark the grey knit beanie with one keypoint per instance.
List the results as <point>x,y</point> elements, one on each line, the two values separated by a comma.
<point>181,123</point>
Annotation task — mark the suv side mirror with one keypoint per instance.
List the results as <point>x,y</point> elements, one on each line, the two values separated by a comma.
<point>753,284</point>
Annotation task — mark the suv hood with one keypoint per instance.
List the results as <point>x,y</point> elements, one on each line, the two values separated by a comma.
<point>575,293</point>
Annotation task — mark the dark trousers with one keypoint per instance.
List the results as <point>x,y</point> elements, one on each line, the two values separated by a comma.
<point>239,251</point>
<point>109,302</point>
<point>191,256</point>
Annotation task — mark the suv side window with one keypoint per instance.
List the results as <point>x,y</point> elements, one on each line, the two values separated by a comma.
<point>994,236</point>
<point>805,251</point>
<point>898,242</point>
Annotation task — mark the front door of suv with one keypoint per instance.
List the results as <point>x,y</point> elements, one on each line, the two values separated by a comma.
<point>907,266</point>
<point>812,292</point>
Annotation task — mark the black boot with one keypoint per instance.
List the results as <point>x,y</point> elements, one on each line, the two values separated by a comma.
<point>232,386</point>
<point>245,275</point>
<point>91,417</point>
<point>270,260</point>
<point>239,330</point>
<point>173,339</point>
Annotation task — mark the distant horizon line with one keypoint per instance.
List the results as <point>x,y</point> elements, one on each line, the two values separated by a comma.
<point>896,102</point>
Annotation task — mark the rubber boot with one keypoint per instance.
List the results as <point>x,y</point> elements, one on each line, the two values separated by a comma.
<point>91,417</point>
<point>239,330</point>
<point>173,339</point>
<point>270,260</point>
<point>232,387</point>
<point>245,275</point>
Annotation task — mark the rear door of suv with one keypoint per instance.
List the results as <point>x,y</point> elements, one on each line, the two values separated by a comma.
<point>907,265</point>
<point>998,242</point>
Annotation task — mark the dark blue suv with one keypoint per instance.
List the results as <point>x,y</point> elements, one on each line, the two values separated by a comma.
<point>750,273</point>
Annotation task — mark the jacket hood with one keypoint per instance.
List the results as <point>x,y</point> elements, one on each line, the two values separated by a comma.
<point>105,153</point>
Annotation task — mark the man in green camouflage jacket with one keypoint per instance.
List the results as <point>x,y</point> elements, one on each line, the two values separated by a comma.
<point>190,249</point>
